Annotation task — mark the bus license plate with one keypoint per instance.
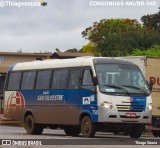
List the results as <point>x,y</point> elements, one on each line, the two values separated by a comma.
<point>131,115</point>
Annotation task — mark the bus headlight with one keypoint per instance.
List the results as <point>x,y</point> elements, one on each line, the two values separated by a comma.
<point>149,106</point>
<point>107,105</point>
<point>111,106</point>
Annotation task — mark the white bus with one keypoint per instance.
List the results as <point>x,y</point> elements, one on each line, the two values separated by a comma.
<point>80,95</point>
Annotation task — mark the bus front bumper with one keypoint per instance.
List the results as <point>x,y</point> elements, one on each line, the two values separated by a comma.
<point>106,115</point>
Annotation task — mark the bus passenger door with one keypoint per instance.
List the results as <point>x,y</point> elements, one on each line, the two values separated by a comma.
<point>88,95</point>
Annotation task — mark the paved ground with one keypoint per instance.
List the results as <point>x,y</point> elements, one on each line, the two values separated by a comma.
<point>10,130</point>
<point>58,138</point>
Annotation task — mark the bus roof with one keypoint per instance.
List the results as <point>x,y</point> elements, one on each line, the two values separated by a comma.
<point>61,63</point>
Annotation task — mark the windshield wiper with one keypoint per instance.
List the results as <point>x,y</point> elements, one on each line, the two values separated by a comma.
<point>135,87</point>
<point>118,87</point>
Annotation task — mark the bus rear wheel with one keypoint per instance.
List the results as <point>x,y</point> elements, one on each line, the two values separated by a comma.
<point>31,127</point>
<point>88,129</point>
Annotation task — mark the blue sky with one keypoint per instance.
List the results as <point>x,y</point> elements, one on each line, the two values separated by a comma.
<point>60,23</point>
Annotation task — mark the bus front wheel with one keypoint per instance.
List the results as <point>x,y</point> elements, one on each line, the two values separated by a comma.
<point>88,129</point>
<point>136,131</point>
<point>31,127</point>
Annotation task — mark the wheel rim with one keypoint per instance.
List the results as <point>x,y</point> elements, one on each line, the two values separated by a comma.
<point>29,123</point>
<point>86,126</point>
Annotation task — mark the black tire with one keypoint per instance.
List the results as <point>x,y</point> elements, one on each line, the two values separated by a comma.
<point>39,129</point>
<point>88,129</point>
<point>72,130</point>
<point>156,133</point>
<point>136,131</point>
<point>31,127</point>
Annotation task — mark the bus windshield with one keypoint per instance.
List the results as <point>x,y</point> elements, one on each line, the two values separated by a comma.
<point>121,79</point>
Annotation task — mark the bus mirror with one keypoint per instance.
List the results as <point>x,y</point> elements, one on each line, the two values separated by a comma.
<point>150,84</point>
<point>95,80</point>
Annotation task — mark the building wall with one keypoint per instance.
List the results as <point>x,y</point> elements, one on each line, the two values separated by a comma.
<point>9,59</point>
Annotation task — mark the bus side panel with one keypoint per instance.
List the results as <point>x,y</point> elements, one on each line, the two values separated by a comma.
<point>69,109</point>
<point>51,106</point>
<point>14,105</point>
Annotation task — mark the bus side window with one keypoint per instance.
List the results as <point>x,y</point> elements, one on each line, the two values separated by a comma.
<point>14,81</point>
<point>28,80</point>
<point>87,78</point>
<point>87,82</point>
<point>59,79</point>
<point>74,79</point>
<point>43,79</point>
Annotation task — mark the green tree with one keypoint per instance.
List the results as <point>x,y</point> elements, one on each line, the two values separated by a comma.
<point>72,50</point>
<point>118,37</point>
<point>88,48</point>
<point>152,21</point>
<point>68,50</point>
<point>153,51</point>
<point>58,50</point>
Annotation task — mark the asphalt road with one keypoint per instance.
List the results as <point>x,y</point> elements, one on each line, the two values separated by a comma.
<point>17,136</point>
